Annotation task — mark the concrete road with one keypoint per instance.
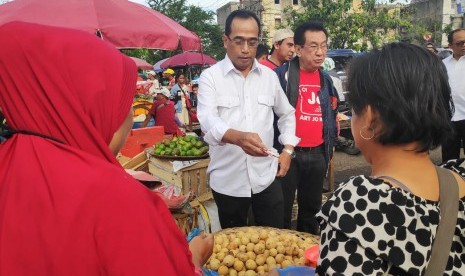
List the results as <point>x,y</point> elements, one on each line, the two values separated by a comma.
<point>349,165</point>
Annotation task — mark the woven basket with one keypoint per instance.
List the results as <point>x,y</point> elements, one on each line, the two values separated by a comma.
<point>302,235</point>
<point>286,248</point>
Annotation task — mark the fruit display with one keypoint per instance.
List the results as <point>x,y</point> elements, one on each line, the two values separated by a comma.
<point>181,146</point>
<point>257,250</point>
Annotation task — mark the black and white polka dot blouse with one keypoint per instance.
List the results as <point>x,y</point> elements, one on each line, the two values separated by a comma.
<point>369,224</point>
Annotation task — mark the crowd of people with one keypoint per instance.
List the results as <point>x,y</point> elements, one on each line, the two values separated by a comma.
<point>271,126</point>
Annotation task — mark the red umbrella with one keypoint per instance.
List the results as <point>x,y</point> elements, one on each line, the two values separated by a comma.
<point>122,23</point>
<point>188,58</point>
<point>142,64</point>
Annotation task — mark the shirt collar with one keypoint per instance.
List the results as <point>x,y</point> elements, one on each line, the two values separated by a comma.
<point>228,66</point>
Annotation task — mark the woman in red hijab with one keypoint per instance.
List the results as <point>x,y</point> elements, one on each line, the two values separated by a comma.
<point>66,205</point>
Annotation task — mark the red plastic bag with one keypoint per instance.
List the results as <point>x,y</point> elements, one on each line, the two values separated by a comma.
<point>312,254</point>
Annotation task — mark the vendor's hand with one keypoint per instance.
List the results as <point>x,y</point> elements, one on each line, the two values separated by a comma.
<point>201,248</point>
<point>284,162</point>
<point>250,142</point>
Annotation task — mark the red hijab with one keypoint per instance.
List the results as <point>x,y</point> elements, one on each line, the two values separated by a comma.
<point>66,205</point>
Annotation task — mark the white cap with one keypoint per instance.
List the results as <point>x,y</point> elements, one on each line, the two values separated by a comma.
<point>282,34</point>
<point>151,73</point>
<point>164,91</point>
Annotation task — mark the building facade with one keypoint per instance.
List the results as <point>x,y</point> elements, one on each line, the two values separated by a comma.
<point>270,13</point>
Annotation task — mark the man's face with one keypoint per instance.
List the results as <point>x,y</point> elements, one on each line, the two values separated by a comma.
<point>286,49</point>
<point>458,44</point>
<point>313,53</point>
<point>241,44</point>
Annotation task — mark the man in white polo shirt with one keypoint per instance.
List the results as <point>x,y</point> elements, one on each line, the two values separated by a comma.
<point>455,65</point>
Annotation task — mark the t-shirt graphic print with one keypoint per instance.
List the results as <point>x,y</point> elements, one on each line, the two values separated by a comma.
<point>308,114</point>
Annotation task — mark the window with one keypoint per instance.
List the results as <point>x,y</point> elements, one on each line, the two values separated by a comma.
<point>276,2</point>
<point>295,2</point>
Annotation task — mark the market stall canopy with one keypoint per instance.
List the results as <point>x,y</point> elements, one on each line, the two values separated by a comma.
<point>188,58</point>
<point>122,23</point>
<point>156,66</point>
<point>142,64</point>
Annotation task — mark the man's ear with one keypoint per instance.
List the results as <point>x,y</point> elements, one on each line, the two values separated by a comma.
<point>225,40</point>
<point>276,45</point>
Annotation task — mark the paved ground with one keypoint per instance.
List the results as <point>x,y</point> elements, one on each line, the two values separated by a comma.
<point>348,165</point>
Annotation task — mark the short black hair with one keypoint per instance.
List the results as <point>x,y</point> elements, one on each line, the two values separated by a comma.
<point>408,88</point>
<point>262,49</point>
<point>244,14</point>
<point>178,74</point>
<point>195,85</point>
<point>450,36</point>
<point>311,25</point>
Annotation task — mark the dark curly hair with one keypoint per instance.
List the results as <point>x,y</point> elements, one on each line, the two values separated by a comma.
<point>408,87</point>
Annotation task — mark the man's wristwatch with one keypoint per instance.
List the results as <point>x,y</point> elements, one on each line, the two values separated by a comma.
<point>290,152</point>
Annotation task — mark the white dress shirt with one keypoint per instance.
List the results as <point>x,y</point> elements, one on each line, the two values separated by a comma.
<point>456,71</point>
<point>228,100</point>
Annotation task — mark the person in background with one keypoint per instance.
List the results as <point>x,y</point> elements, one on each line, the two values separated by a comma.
<point>391,217</point>
<point>311,91</point>
<point>180,94</point>
<point>282,50</point>
<point>262,52</point>
<point>193,95</point>
<point>170,80</point>
<point>430,46</point>
<point>237,99</point>
<point>163,112</point>
<point>455,65</point>
<point>152,77</point>
<point>76,211</point>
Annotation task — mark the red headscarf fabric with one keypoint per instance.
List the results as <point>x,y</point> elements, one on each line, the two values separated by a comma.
<point>68,208</point>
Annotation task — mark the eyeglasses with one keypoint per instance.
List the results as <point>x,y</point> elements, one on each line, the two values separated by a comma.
<point>240,42</point>
<point>314,47</point>
<point>459,43</point>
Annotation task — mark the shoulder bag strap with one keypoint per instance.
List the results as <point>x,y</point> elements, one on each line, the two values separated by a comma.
<point>449,206</point>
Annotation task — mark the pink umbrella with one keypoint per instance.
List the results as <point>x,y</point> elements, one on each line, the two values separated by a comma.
<point>142,64</point>
<point>122,23</point>
<point>188,58</point>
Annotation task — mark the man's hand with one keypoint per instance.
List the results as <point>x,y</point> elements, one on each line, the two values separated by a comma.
<point>250,142</point>
<point>201,248</point>
<point>284,162</point>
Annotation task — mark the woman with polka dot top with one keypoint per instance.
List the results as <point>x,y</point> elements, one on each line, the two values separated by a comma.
<point>401,106</point>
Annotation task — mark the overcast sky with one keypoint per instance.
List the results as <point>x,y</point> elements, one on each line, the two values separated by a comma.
<point>205,4</point>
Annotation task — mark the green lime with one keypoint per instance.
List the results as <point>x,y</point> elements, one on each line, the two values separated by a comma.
<point>175,152</point>
<point>189,153</point>
<point>204,149</point>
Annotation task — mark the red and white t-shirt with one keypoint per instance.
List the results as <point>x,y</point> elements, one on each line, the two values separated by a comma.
<point>309,119</point>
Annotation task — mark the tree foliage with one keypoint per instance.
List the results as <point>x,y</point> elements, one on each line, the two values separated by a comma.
<point>361,27</point>
<point>195,19</point>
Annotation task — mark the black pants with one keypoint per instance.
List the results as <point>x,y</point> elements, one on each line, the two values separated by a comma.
<point>306,175</point>
<point>451,148</point>
<point>267,207</point>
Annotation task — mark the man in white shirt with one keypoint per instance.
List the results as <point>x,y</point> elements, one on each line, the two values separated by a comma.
<point>455,65</point>
<point>236,101</point>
